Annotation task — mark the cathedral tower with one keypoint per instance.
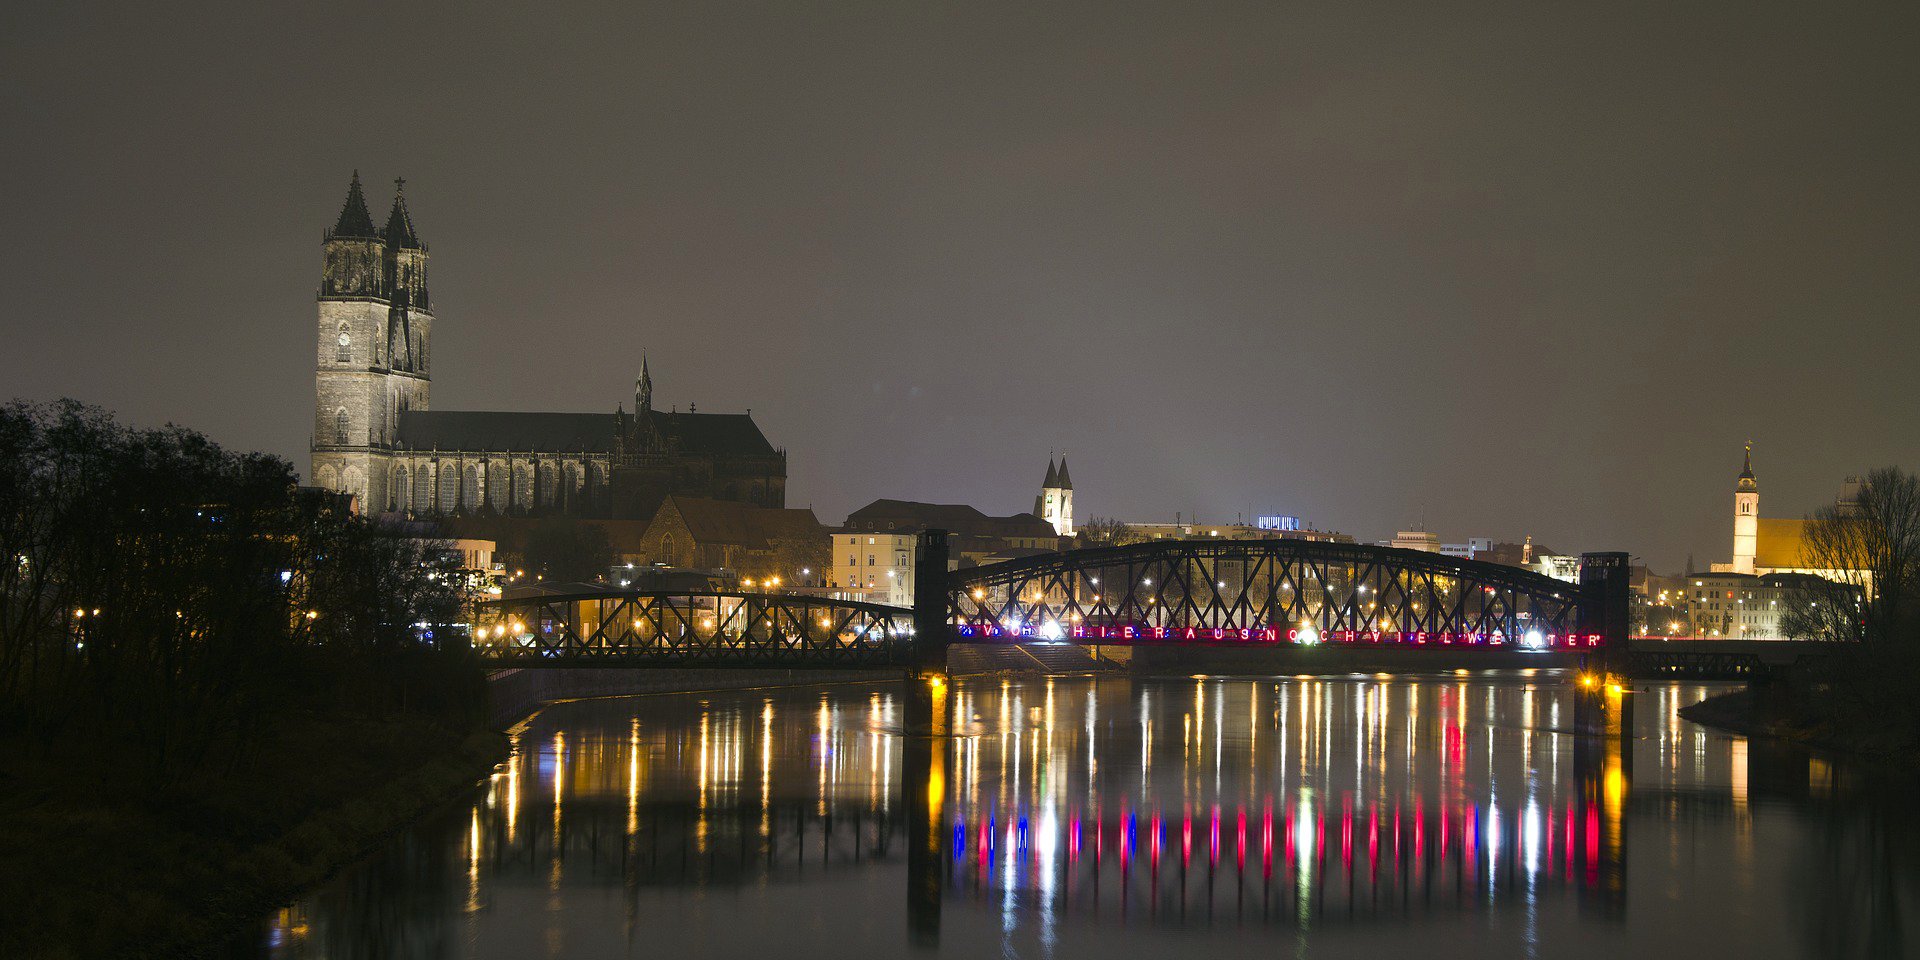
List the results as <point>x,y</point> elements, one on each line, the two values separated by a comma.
<point>373,335</point>
<point>1746,517</point>
<point>1055,503</point>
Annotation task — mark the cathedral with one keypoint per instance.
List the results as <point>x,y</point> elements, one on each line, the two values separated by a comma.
<point>375,438</point>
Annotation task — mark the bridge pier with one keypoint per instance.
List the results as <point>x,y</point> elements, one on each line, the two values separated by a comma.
<point>1601,704</point>
<point>926,688</point>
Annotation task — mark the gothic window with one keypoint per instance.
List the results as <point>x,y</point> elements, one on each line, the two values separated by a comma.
<point>666,548</point>
<point>423,491</point>
<point>523,486</point>
<point>449,488</point>
<point>497,486</point>
<point>340,424</point>
<point>343,344</point>
<point>401,489</point>
<point>470,490</point>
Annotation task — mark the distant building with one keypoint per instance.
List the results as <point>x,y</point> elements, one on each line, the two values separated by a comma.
<point>1416,540</point>
<point>1476,548</point>
<point>757,542</point>
<point>876,567</point>
<point>973,537</point>
<point>1556,565</point>
<point>1179,530</point>
<point>1730,606</point>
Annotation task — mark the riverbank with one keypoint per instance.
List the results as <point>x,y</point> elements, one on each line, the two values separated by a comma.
<point>93,867</point>
<point>1739,711</point>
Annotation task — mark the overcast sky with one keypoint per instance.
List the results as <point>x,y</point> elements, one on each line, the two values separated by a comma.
<point>1501,268</point>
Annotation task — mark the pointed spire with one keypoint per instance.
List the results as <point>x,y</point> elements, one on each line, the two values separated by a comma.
<point>1053,475</point>
<point>355,222</point>
<point>1065,482</point>
<point>399,232</point>
<point>1747,482</point>
<point>643,388</point>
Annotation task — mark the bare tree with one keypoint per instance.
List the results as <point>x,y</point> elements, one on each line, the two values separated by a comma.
<point>1108,532</point>
<point>1870,550</point>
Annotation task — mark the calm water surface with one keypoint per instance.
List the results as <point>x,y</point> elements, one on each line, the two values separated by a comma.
<point>1431,816</point>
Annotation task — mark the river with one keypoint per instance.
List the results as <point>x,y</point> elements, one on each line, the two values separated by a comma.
<point>1433,815</point>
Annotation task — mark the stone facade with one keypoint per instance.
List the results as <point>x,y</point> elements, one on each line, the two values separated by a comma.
<point>372,335</point>
<point>375,438</point>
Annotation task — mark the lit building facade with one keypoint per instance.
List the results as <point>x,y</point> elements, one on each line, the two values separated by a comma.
<point>875,567</point>
<point>1055,502</point>
<point>1775,545</point>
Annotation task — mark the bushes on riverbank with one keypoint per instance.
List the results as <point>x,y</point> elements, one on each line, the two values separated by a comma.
<point>89,868</point>
<point>206,673</point>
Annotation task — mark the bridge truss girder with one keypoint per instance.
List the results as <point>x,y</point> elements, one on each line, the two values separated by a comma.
<point>691,628</point>
<point>1326,591</point>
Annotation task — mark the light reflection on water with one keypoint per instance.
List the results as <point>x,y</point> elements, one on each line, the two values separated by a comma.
<point>1452,815</point>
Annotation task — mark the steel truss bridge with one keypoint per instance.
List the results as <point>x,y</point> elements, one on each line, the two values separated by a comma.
<point>1202,592</point>
<point>1265,591</point>
<point>714,628</point>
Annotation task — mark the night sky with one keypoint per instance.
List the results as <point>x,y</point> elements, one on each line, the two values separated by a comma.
<point>1507,268</point>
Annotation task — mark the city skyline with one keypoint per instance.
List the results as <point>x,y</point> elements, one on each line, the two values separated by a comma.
<point>1305,273</point>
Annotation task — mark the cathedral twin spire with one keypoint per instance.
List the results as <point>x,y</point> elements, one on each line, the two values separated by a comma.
<point>356,223</point>
<point>1057,478</point>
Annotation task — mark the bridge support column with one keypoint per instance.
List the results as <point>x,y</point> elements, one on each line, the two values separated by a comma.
<point>931,632</point>
<point>926,692</point>
<point>1601,702</point>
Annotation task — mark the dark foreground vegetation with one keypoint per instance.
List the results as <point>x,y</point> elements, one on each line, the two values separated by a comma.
<point>215,687</point>
<point>1866,698</point>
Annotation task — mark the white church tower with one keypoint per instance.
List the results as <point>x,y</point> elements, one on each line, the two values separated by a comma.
<point>1055,502</point>
<point>1746,517</point>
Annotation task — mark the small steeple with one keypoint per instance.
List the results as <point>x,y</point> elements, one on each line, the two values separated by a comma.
<point>355,222</point>
<point>1064,482</point>
<point>643,388</point>
<point>1747,482</point>
<point>399,232</point>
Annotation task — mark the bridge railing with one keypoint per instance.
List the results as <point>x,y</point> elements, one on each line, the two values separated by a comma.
<point>692,628</point>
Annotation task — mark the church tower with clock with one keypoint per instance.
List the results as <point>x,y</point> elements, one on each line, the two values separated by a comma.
<point>374,336</point>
